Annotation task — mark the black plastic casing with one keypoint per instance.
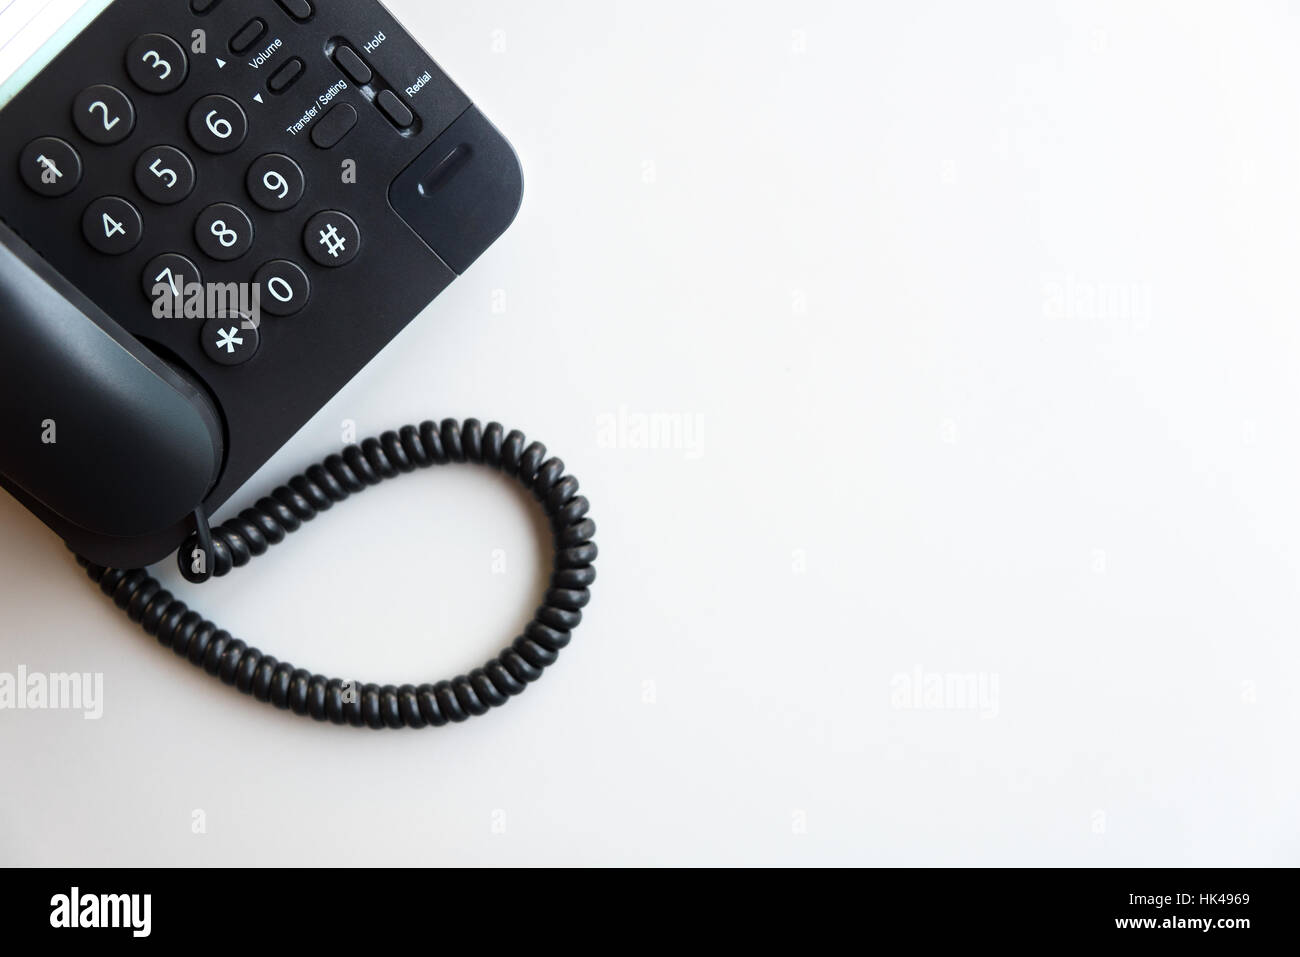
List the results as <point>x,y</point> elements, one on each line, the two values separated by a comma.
<point>428,200</point>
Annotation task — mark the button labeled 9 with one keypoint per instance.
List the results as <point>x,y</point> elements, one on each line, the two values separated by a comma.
<point>275,182</point>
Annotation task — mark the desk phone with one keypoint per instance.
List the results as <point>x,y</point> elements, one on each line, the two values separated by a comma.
<point>216,213</point>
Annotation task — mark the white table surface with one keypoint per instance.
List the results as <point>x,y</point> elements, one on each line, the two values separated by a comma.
<point>980,325</point>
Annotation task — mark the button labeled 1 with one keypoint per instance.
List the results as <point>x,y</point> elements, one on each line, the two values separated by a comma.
<point>284,287</point>
<point>50,166</point>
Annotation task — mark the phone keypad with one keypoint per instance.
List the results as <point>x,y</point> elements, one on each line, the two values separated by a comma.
<point>164,175</point>
<point>156,63</point>
<point>103,114</point>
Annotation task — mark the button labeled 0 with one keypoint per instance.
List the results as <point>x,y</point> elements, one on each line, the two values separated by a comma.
<point>284,287</point>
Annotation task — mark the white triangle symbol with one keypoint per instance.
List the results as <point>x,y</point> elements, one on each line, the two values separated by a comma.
<point>258,97</point>
<point>221,64</point>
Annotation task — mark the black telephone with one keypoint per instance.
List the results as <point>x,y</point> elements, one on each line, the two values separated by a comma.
<point>220,211</point>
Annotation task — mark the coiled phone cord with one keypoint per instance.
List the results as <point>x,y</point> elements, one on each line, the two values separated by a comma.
<point>238,541</point>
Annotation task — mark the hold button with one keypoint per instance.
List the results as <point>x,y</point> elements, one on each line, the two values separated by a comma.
<point>351,64</point>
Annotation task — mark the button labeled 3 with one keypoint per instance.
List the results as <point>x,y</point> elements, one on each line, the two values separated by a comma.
<point>156,63</point>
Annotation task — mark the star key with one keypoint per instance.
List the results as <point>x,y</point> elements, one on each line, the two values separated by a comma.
<point>230,340</point>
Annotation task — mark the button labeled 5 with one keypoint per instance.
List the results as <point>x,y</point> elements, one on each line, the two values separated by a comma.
<point>164,174</point>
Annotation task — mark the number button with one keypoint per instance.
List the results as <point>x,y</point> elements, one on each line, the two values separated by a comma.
<point>103,114</point>
<point>156,63</point>
<point>50,166</point>
<point>284,287</point>
<point>112,225</point>
<point>230,340</point>
<point>164,174</point>
<point>224,232</point>
<point>217,123</point>
<point>169,275</point>
<point>331,238</point>
<point>275,182</point>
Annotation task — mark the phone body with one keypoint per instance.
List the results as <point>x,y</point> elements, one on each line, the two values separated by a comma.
<point>216,213</point>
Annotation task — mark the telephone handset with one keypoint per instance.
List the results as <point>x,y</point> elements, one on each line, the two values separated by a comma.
<point>106,438</point>
<point>219,212</point>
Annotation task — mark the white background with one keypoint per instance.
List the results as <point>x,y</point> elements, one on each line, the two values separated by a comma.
<point>983,318</point>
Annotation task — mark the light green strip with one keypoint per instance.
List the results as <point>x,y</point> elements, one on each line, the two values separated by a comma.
<point>51,48</point>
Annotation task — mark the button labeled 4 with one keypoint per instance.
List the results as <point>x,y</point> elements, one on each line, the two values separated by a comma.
<point>112,225</point>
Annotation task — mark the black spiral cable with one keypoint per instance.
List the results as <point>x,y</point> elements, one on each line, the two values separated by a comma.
<point>238,541</point>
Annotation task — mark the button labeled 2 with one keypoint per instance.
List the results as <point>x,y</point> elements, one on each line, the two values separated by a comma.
<point>103,114</point>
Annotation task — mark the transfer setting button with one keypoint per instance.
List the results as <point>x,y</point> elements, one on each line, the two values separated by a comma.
<point>334,125</point>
